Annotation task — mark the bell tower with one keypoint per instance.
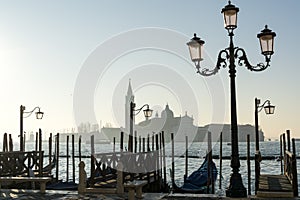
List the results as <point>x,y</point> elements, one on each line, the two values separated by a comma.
<point>128,99</point>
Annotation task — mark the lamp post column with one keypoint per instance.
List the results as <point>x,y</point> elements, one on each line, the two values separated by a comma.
<point>22,108</point>
<point>236,187</point>
<point>256,125</point>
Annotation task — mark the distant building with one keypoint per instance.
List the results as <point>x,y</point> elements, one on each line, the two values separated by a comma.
<point>181,126</point>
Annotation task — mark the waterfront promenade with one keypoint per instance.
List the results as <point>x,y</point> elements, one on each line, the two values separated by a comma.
<point>73,195</point>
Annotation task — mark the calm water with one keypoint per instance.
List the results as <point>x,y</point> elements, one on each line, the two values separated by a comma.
<point>195,149</point>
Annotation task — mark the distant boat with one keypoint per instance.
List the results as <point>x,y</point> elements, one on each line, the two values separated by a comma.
<point>228,143</point>
<point>197,181</point>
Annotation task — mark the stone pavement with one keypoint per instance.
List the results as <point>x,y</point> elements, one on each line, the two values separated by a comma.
<point>66,195</point>
<point>73,195</point>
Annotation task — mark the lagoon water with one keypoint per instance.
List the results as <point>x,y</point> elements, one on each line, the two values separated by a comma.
<point>195,149</point>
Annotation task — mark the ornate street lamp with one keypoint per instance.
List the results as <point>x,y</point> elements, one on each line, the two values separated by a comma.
<point>229,56</point>
<point>133,112</point>
<point>39,115</point>
<point>269,109</point>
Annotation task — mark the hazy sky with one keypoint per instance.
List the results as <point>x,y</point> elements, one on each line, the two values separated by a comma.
<point>56,53</point>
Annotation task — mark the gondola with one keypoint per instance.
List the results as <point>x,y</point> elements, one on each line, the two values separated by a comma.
<point>197,182</point>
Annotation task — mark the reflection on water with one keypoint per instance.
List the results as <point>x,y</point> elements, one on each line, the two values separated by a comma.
<point>195,149</point>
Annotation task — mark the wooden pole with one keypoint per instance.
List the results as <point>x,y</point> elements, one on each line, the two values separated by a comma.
<point>295,176</point>
<point>158,162</point>
<point>40,148</point>
<point>144,145</point>
<point>172,152</point>
<point>57,160</point>
<point>160,157</point>
<point>79,148</point>
<point>5,149</point>
<point>24,142</point>
<point>281,167</point>
<point>140,143</point>
<point>186,157</point>
<point>288,138</point>
<point>148,143</point>
<point>284,148</point>
<point>36,141</point>
<point>284,144</point>
<point>220,157</point>
<point>50,148</point>
<point>209,164</point>
<point>40,140</point>
<point>248,164</point>
<point>153,142</point>
<point>121,141</point>
<point>92,160</point>
<point>114,145</point>
<point>135,141</point>
<point>164,159</point>
<point>67,159</point>
<point>73,157</point>
<point>11,144</point>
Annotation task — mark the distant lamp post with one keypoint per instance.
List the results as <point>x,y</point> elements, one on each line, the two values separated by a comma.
<point>269,109</point>
<point>229,56</point>
<point>133,112</point>
<point>39,115</point>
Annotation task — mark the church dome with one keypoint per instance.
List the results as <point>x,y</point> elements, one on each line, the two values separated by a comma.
<point>167,113</point>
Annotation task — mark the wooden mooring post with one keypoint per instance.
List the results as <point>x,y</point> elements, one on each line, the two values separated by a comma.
<point>281,157</point>
<point>57,156</point>
<point>73,157</point>
<point>186,157</point>
<point>248,164</point>
<point>5,145</point>
<point>220,157</point>
<point>67,171</point>
<point>295,177</point>
<point>164,159</point>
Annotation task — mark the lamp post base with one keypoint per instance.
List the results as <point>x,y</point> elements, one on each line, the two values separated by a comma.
<point>236,187</point>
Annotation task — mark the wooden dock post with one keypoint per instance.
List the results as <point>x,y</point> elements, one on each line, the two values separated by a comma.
<point>79,148</point>
<point>5,148</point>
<point>248,164</point>
<point>135,141</point>
<point>11,144</point>
<point>114,145</point>
<point>120,186</point>
<point>153,141</point>
<point>220,157</point>
<point>295,174</point>
<point>284,148</point>
<point>144,145</point>
<point>148,143</point>
<point>36,141</point>
<point>281,157</point>
<point>73,157</point>
<point>121,142</point>
<point>288,138</point>
<point>82,178</point>
<point>172,152</point>
<point>92,160</point>
<point>50,148</point>
<point>140,143</point>
<point>186,158</point>
<point>40,140</point>
<point>209,164</point>
<point>67,171</point>
<point>57,156</point>
<point>164,159</point>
